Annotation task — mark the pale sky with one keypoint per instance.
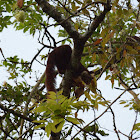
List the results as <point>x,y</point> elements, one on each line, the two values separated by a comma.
<point>25,46</point>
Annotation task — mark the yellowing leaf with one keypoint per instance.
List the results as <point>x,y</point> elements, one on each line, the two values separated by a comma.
<point>96,105</point>
<point>93,57</point>
<point>76,114</point>
<point>107,77</point>
<point>107,38</point>
<point>74,7</point>
<point>112,81</point>
<point>138,25</point>
<point>76,26</point>
<point>138,48</point>
<point>104,31</point>
<point>85,11</point>
<point>93,85</point>
<point>124,53</point>
<point>97,41</point>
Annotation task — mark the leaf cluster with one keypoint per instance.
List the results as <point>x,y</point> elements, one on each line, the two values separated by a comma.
<point>111,49</point>
<point>57,111</point>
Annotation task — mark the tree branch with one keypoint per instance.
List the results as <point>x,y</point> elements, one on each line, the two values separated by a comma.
<point>96,22</point>
<point>19,115</point>
<point>137,100</point>
<point>102,112</point>
<point>113,115</point>
<point>58,16</point>
<point>37,55</point>
<point>6,133</point>
<point>29,99</point>
<point>25,132</point>
<point>78,50</point>
<point>15,113</point>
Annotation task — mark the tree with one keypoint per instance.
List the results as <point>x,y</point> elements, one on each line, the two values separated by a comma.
<point>105,38</point>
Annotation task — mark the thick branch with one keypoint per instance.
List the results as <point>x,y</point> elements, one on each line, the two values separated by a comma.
<point>57,16</point>
<point>96,22</point>
<point>79,40</point>
<point>78,50</point>
<point>80,43</point>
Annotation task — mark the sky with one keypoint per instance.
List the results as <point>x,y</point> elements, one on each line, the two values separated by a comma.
<point>25,46</point>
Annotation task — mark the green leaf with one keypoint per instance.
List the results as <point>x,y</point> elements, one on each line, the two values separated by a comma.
<point>48,130</point>
<point>39,126</point>
<point>101,132</point>
<point>122,102</point>
<point>57,120</point>
<point>87,95</point>
<point>107,77</point>
<point>76,138</point>
<point>8,8</point>
<point>137,127</point>
<point>7,17</point>
<point>60,126</point>
<point>73,120</point>
<point>26,29</point>
<point>51,95</point>
<point>126,105</point>
<point>40,109</point>
<point>39,121</point>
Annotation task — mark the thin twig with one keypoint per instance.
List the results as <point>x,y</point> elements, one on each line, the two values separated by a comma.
<point>131,133</point>
<point>112,56</point>
<point>25,132</point>
<point>37,55</point>
<point>6,133</point>
<point>137,100</point>
<point>2,54</point>
<point>29,99</point>
<point>101,113</point>
<point>14,112</point>
<point>114,123</point>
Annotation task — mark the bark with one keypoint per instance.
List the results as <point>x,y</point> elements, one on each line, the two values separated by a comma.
<point>79,40</point>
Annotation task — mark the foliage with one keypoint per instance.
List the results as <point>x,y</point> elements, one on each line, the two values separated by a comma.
<point>112,48</point>
<point>58,110</point>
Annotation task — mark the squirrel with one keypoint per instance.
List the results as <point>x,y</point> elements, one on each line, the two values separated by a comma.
<point>61,57</point>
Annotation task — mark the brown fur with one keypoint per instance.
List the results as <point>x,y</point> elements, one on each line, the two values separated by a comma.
<point>60,57</point>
